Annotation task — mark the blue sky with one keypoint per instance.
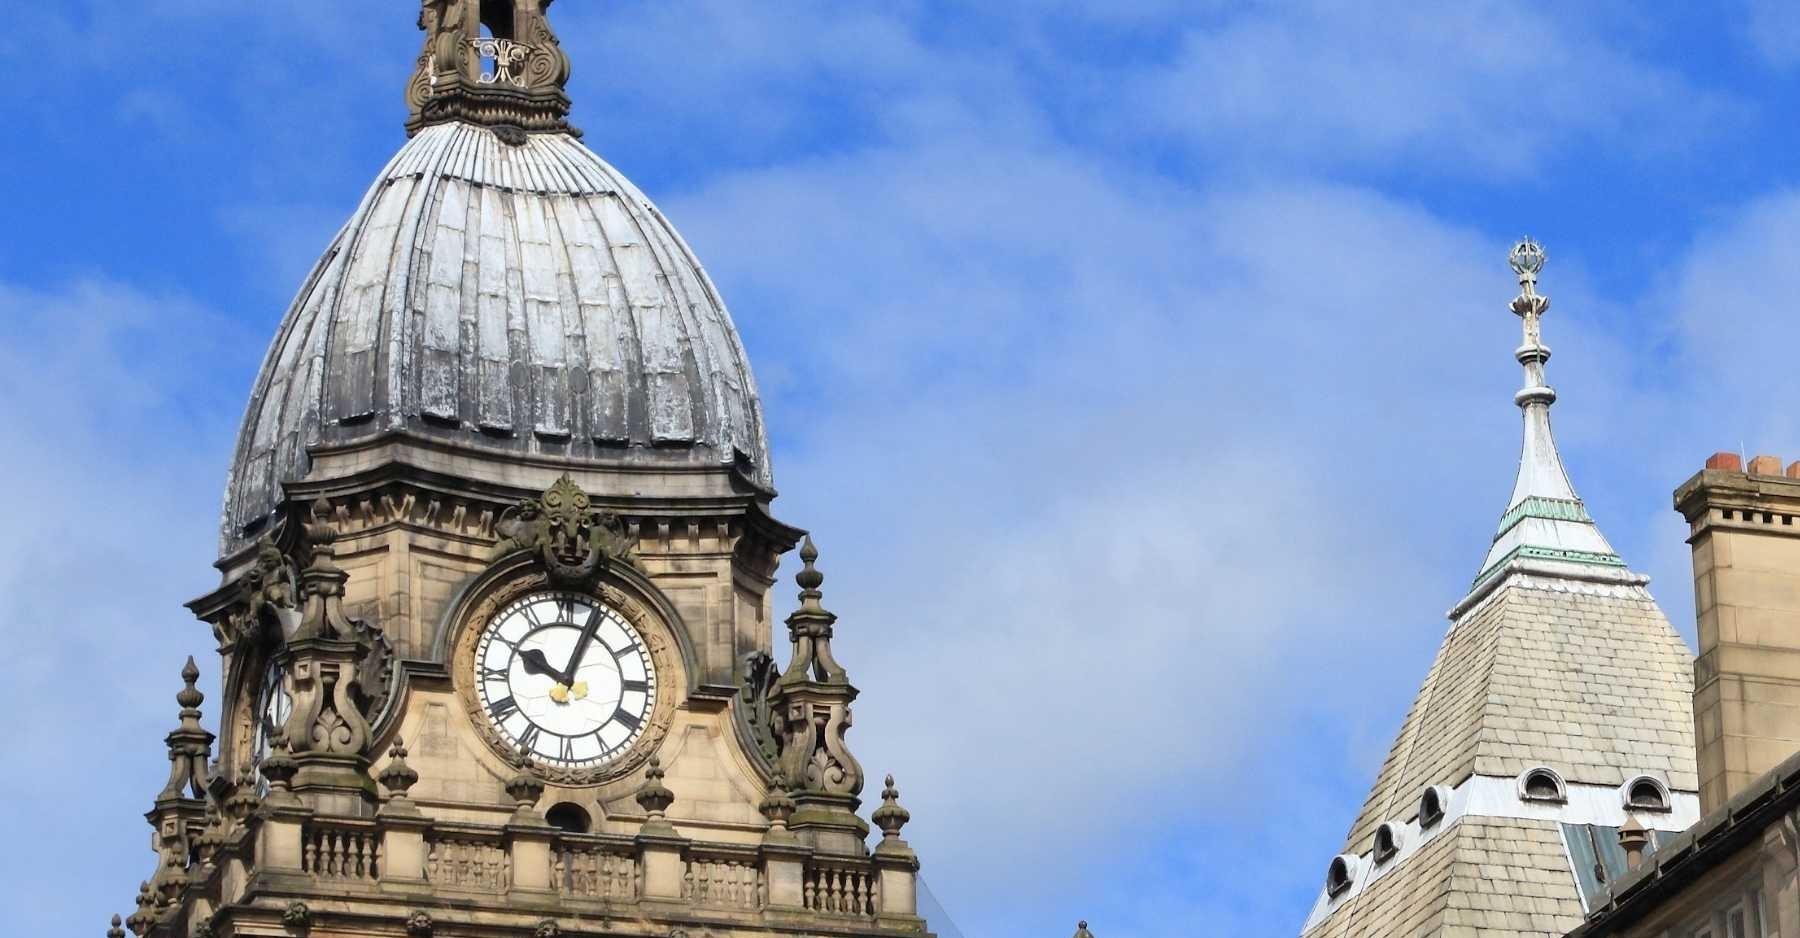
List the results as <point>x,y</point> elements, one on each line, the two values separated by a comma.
<point>1143,368</point>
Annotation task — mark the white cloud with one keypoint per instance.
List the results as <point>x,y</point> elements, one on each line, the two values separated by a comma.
<point>1474,88</point>
<point>113,448</point>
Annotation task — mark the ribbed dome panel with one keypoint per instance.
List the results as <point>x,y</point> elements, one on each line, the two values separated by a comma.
<point>523,299</point>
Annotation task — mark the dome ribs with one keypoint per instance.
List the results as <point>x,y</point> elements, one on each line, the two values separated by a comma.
<point>440,338</point>
<point>518,299</point>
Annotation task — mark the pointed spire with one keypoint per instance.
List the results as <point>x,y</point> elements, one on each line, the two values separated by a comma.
<point>1545,524</point>
<point>1081,931</point>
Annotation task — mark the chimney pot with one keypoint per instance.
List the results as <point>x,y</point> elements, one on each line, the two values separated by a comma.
<point>1727,462</point>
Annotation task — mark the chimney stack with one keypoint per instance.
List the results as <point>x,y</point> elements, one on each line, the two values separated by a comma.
<point>1746,555</point>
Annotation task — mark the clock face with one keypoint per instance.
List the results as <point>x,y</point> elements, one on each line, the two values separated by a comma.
<point>273,705</point>
<point>566,677</point>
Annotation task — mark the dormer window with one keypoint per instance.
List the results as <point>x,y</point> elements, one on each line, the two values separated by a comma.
<point>1432,805</point>
<point>1544,785</point>
<point>1387,841</point>
<point>1647,793</point>
<point>1340,875</point>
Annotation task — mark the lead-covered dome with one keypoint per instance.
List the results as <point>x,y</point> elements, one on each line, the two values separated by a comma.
<point>520,298</point>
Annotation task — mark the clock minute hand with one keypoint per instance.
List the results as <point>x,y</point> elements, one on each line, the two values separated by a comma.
<point>588,630</point>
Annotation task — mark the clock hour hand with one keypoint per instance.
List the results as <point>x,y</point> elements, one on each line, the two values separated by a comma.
<point>536,663</point>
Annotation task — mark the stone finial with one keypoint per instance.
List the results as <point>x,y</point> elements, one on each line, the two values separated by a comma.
<point>810,627</point>
<point>1633,838</point>
<point>242,800</point>
<point>1081,930</point>
<point>525,787</point>
<point>141,920</point>
<point>1526,258</point>
<point>776,805</point>
<point>115,931</point>
<point>279,766</point>
<point>655,797</point>
<point>890,817</point>
<point>189,697</point>
<point>397,776</point>
<point>189,743</point>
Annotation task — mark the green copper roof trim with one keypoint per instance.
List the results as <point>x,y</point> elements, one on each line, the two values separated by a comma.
<point>1550,509</point>
<point>1549,553</point>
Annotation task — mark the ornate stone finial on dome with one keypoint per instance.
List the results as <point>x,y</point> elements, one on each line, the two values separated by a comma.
<point>495,63</point>
<point>115,931</point>
<point>1081,930</point>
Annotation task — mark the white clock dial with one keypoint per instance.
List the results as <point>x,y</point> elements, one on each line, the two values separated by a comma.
<point>566,677</point>
<point>273,705</point>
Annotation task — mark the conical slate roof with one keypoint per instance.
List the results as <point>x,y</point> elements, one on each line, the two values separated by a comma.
<point>1558,659</point>
<point>522,298</point>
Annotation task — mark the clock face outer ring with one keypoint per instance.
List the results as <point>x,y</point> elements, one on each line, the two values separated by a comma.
<point>663,656</point>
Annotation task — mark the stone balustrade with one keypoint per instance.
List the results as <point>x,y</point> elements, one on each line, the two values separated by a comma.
<point>590,867</point>
<point>772,878</point>
<point>467,857</point>
<point>341,849</point>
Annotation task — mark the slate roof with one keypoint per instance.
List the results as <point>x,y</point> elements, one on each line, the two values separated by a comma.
<point>1494,877</point>
<point>1556,657</point>
<point>528,300</point>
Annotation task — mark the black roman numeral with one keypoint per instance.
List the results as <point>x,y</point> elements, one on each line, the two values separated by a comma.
<point>630,720</point>
<point>503,708</point>
<point>565,610</point>
<point>643,686</point>
<point>529,738</point>
<point>493,674</point>
<point>566,750</point>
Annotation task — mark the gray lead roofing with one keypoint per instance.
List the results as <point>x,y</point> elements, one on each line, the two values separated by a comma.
<point>524,299</point>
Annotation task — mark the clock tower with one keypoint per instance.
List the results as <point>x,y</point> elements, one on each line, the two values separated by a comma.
<point>494,624</point>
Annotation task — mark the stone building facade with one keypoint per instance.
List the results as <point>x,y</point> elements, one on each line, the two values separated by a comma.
<point>495,621</point>
<point>1556,714</point>
<point>1735,873</point>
